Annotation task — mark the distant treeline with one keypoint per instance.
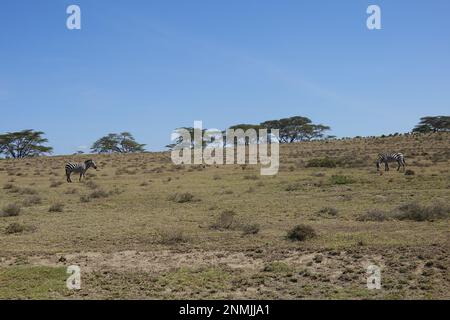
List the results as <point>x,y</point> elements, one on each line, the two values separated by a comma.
<point>31,143</point>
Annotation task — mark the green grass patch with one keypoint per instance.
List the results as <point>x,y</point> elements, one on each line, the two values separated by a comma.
<point>25,282</point>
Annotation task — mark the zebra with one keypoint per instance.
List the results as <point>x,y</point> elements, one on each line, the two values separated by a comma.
<point>390,157</point>
<point>80,168</point>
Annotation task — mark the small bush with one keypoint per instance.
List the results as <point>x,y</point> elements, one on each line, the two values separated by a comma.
<point>416,212</point>
<point>374,215</point>
<point>27,191</point>
<point>293,187</point>
<point>409,172</point>
<point>340,179</point>
<point>329,211</point>
<point>17,228</point>
<point>251,177</point>
<point>56,207</point>
<point>97,194</point>
<point>11,210</point>
<point>321,163</point>
<point>249,229</point>
<point>85,198</point>
<point>301,233</point>
<point>181,197</point>
<point>8,186</point>
<point>55,184</point>
<point>31,201</point>
<point>91,185</point>
<point>170,237</point>
<point>225,220</point>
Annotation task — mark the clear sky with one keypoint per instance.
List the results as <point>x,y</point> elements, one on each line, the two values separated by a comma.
<point>151,66</point>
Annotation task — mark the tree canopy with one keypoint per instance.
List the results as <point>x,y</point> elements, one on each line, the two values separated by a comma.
<point>433,124</point>
<point>117,143</point>
<point>22,144</point>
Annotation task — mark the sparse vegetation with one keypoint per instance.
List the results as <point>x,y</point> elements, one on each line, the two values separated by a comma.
<point>236,238</point>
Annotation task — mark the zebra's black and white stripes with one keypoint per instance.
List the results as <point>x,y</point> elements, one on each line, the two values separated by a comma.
<point>390,157</point>
<point>80,168</point>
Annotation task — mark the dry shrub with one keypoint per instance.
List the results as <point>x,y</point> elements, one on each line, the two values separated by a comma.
<point>417,212</point>
<point>55,184</point>
<point>226,220</point>
<point>56,207</point>
<point>329,211</point>
<point>29,191</point>
<point>11,210</point>
<point>171,237</point>
<point>15,227</point>
<point>181,197</point>
<point>99,193</point>
<point>301,233</point>
<point>249,229</point>
<point>31,201</point>
<point>374,215</point>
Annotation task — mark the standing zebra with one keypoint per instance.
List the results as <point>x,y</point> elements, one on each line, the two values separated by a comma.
<point>80,168</point>
<point>390,157</point>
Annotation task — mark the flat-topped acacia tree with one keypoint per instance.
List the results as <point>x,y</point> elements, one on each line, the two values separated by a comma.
<point>23,144</point>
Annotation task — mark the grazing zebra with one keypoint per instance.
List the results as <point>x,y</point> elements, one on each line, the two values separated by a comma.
<point>80,168</point>
<point>390,157</point>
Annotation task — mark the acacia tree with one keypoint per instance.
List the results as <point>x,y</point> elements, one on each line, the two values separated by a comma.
<point>296,128</point>
<point>117,143</point>
<point>22,144</point>
<point>433,124</point>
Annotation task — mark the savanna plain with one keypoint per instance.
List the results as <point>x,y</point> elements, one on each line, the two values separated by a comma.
<point>141,227</point>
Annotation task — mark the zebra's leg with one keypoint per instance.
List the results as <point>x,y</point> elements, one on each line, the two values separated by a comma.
<point>386,167</point>
<point>399,165</point>
<point>68,176</point>
<point>81,175</point>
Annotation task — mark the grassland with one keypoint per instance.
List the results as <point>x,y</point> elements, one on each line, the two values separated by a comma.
<point>141,227</point>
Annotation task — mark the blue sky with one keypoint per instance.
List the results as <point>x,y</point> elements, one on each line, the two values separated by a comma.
<point>151,66</point>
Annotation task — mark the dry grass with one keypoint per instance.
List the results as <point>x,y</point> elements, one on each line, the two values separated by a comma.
<point>112,224</point>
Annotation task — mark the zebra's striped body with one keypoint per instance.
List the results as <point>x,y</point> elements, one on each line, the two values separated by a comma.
<point>391,157</point>
<point>80,168</point>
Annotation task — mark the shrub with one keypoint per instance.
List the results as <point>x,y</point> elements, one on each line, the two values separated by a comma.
<point>11,210</point>
<point>31,201</point>
<point>56,207</point>
<point>55,184</point>
<point>27,191</point>
<point>97,194</point>
<point>17,228</point>
<point>329,211</point>
<point>322,163</point>
<point>181,197</point>
<point>374,215</point>
<point>340,179</point>
<point>169,237</point>
<point>251,177</point>
<point>409,172</point>
<point>8,186</point>
<point>301,233</point>
<point>85,198</point>
<point>293,187</point>
<point>416,212</point>
<point>252,228</point>
<point>225,220</point>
